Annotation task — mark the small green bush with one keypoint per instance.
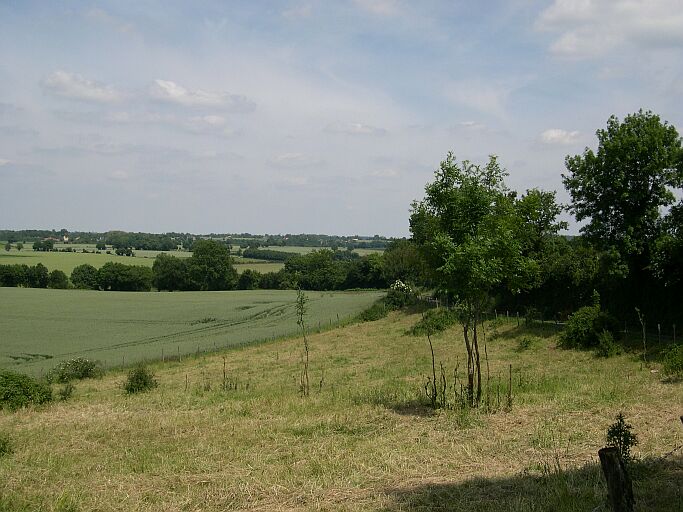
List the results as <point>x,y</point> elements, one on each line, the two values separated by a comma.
<point>75,369</point>
<point>18,390</point>
<point>620,435</point>
<point>140,379</point>
<point>5,445</point>
<point>400,295</point>
<point>375,312</point>
<point>434,320</point>
<point>607,347</point>
<point>672,365</point>
<point>584,328</point>
<point>526,342</point>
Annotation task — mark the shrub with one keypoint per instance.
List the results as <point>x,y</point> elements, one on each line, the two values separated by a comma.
<point>434,320</point>
<point>57,280</point>
<point>5,445</point>
<point>140,379</point>
<point>607,347</point>
<point>18,390</point>
<point>584,327</point>
<point>672,365</point>
<point>78,368</point>
<point>375,312</point>
<point>400,295</point>
<point>525,343</point>
<point>620,435</point>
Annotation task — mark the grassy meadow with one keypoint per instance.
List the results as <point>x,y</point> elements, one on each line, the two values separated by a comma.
<point>363,440</point>
<point>39,328</point>
<point>67,261</point>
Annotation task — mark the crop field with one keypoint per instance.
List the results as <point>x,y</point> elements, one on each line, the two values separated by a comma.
<point>363,440</point>
<point>305,250</point>
<point>39,328</point>
<point>67,261</point>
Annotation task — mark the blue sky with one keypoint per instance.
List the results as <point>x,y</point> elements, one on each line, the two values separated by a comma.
<point>307,116</point>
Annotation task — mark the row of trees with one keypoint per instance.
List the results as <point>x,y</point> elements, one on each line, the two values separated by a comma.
<point>32,277</point>
<point>482,244</point>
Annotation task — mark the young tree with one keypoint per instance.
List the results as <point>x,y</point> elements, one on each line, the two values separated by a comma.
<point>301,310</point>
<point>467,228</point>
<point>19,246</point>
<point>84,277</point>
<point>8,247</point>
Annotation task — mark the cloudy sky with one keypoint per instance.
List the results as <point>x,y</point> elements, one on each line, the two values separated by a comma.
<point>307,116</point>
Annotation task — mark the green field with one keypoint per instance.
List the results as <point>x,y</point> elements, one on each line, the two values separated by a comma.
<point>67,261</point>
<point>305,250</point>
<point>38,327</point>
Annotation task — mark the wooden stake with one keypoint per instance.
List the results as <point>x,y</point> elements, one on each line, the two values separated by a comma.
<point>619,485</point>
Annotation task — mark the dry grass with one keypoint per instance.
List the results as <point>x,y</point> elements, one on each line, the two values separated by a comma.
<point>364,441</point>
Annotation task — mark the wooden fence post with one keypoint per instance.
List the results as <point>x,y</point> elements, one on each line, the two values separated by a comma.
<point>619,484</point>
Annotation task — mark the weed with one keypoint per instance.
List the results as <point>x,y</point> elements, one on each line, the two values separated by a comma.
<point>525,343</point>
<point>5,445</point>
<point>434,320</point>
<point>66,391</point>
<point>377,311</point>
<point>140,379</point>
<point>620,435</point>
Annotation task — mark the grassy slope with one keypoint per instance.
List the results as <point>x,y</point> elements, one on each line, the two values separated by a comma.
<point>41,327</point>
<point>362,442</point>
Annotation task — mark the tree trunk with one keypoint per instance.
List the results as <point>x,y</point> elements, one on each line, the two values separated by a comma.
<point>470,366</point>
<point>618,482</point>
<point>477,363</point>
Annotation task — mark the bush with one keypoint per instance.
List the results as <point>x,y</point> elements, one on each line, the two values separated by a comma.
<point>5,445</point>
<point>584,328</point>
<point>620,436</point>
<point>400,295</point>
<point>57,280</point>
<point>607,347</point>
<point>375,312</point>
<point>525,343</point>
<point>672,365</point>
<point>434,320</point>
<point>75,369</point>
<point>18,390</point>
<point>140,379</point>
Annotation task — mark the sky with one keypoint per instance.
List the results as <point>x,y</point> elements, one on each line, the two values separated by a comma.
<point>306,116</point>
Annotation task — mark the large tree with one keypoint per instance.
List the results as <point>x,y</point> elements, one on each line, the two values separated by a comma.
<point>210,266</point>
<point>621,189</point>
<point>468,227</point>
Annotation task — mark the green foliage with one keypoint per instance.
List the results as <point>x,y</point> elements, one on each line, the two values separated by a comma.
<point>620,435</point>
<point>249,280</point>
<point>210,267</point>
<point>18,390</point>
<point>585,327</point>
<point>84,277</point>
<point>672,363</point>
<point>377,311</point>
<point>57,280</point>
<point>127,278</point>
<point>170,273</point>
<point>75,369</point>
<point>526,342</point>
<point>400,295</point>
<point>5,445</point>
<point>607,347</point>
<point>140,379</point>
<point>8,247</point>
<point>434,320</point>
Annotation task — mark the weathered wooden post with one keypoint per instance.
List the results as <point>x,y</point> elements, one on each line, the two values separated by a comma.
<point>619,485</point>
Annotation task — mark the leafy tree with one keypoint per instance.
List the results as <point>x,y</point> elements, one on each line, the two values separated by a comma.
<point>248,280</point>
<point>467,227</point>
<point>37,277</point>
<point>57,280</point>
<point>101,246</point>
<point>127,278</point>
<point>210,266</point>
<point>403,261</point>
<point>19,246</point>
<point>170,273</point>
<point>8,247</point>
<point>622,188</point>
<point>84,277</point>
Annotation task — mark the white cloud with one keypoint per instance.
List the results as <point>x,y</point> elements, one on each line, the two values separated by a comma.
<point>559,136</point>
<point>118,176</point>
<point>74,86</point>
<point>589,28</point>
<point>379,7</point>
<point>489,98</point>
<point>171,92</point>
<point>354,129</point>
<point>294,161</point>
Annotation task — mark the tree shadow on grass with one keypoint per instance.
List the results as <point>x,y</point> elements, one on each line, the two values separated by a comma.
<point>536,329</point>
<point>657,487</point>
